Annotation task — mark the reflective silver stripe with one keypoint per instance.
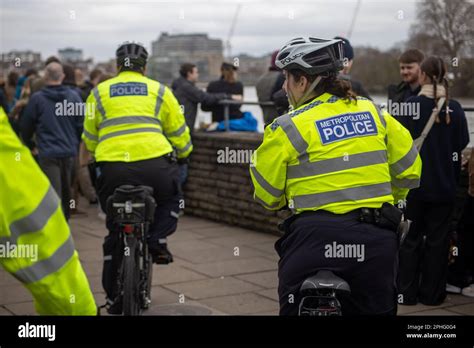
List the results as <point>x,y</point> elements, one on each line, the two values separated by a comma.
<point>123,205</point>
<point>293,134</point>
<point>129,131</point>
<point>178,132</point>
<point>381,116</point>
<point>258,200</point>
<point>406,183</point>
<point>186,148</point>
<point>107,257</point>
<point>336,164</point>
<point>100,107</point>
<point>48,266</point>
<point>36,220</point>
<point>405,162</point>
<point>90,136</point>
<point>129,120</point>
<point>349,194</point>
<point>174,214</point>
<point>159,99</point>
<point>265,184</point>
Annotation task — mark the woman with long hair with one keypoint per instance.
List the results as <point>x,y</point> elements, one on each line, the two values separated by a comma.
<point>338,163</point>
<point>424,255</point>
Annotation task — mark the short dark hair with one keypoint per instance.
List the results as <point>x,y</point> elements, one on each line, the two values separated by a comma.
<point>69,76</point>
<point>413,55</point>
<point>52,59</point>
<point>94,74</point>
<point>30,72</point>
<point>186,68</point>
<point>228,66</point>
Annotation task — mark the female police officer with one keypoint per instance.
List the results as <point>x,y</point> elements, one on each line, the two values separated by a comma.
<point>334,160</point>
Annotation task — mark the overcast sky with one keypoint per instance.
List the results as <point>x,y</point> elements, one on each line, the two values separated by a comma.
<point>98,26</point>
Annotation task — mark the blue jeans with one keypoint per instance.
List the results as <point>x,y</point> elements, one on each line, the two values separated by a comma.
<point>183,173</point>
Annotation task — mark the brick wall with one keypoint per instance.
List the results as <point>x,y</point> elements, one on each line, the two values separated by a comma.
<point>223,191</point>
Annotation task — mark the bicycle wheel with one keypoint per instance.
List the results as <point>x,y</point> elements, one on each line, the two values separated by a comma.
<point>131,279</point>
<point>147,283</point>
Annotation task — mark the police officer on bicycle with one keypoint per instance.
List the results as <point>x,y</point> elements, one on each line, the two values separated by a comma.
<point>340,165</point>
<point>132,127</point>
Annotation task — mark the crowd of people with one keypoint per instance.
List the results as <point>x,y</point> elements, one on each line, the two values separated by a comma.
<point>55,143</point>
<point>437,255</point>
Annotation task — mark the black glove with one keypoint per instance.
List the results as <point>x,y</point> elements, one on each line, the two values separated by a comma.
<point>183,160</point>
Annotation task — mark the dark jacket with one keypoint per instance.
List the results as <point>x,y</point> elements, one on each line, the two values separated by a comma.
<point>401,92</point>
<point>86,89</point>
<point>189,96</point>
<point>222,86</point>
<point>441,150</point>
<point>269,83</point>
<point>280,98</point>
<point>3,101</point>
<point>74,87</point>
<point>356,86</point>
<point>57,135</point>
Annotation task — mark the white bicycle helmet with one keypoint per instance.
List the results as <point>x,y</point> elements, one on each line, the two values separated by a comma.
<point>312,55</point>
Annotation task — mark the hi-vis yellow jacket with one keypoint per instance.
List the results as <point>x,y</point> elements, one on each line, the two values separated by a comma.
<point>131,118</point>
<point>335,156</point>
<point>36,246</point>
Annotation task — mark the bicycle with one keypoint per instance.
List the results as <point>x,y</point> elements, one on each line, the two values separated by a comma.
<point>320,294</point>
<point>132,210</point>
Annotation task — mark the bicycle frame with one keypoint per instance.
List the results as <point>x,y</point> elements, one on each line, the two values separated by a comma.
<point>133,236</point>
<point>132,209</point>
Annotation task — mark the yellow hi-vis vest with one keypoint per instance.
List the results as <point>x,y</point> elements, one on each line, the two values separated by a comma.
<point>334,155</point>
<point>36,246</point>
<point>131,118</point>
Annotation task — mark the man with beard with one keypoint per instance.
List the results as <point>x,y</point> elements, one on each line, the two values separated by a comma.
<point>409,61</point>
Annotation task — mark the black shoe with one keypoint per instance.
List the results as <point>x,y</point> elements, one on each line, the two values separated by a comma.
<point>115,308</point>
<point>160,254</point>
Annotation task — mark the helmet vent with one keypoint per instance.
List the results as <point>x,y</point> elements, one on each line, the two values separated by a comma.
<point>283,55</point>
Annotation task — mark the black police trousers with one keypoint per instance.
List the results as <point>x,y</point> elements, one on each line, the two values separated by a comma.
<point>424,262</point>
<point>159,173</point>
<point>368,262</point>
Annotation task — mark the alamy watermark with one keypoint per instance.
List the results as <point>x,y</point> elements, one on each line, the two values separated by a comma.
<point>345,251</point>
<point>24,251</point>
<point>404,109</point>
<point>68,108</point>
<point>28,330</point>
<point>233,156</point>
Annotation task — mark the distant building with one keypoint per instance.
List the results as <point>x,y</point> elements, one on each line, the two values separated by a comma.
<point>251,68</point>
<point>74,56</point>
<point>70,55</point>
<point>21,60</point>
<point>170,51</point>
<point>108,67</point>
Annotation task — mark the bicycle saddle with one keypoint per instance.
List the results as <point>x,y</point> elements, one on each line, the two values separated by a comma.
<point>325,279</point>
<point>132,190</point>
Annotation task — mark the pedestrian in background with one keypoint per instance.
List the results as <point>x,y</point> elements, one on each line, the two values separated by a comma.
<point>267,85</point>
<point>57,135</point>
<point>424,263</point>
<point>228,84</point>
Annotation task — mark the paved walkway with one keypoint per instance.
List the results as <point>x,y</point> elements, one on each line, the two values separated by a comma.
<point>218,269</point>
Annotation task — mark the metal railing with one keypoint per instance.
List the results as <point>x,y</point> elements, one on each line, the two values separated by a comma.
<point>228,102</point>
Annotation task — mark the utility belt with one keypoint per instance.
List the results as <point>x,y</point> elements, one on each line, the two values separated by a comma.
<point>387,216</point>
